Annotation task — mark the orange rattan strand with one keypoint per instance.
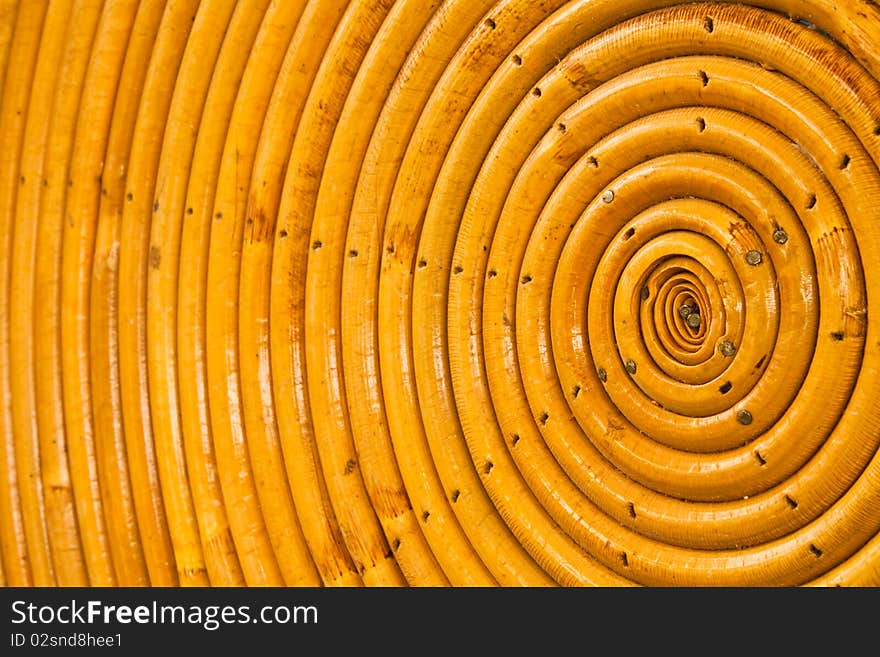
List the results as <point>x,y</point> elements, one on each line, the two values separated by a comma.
<point>439,293</point>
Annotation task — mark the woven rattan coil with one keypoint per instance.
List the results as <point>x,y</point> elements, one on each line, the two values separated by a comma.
<point>439,293</point>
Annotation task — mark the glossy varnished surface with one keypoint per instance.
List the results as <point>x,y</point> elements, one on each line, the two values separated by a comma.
<point>439,293</point>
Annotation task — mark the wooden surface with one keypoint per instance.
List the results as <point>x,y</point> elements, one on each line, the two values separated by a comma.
<point>439,293</point>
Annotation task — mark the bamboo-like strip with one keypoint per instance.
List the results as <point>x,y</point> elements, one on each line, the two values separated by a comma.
<point>188,496</point>
<point>73,523</point>
<point>859,570</point>
<point>223,562</point>
<point>7,23</point>
<point>8,11</point>
<point>439,293</point>
<point>286,350</point>
<point>390,398</point>
<point>266,453</point>
<point>398,489</point>
<point>399,321</point>
<point>349,465</point>
<point>24,49</point>
<point>254,538</point>
<point>104,464</point>
<point>23,253</point>
<point>137,208</point>
<point>143,23</point>
<point>297,565</point>
<point>358,521</point>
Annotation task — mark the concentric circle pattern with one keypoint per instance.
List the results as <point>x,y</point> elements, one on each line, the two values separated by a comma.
<point>440,293</point>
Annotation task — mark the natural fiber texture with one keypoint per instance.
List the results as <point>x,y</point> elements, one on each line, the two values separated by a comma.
<point>446,293</point>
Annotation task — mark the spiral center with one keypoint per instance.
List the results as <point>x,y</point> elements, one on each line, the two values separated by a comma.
<point>690,315</point>
<point>682,310</point>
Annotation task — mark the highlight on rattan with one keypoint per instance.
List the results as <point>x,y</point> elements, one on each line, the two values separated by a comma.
<point>439,293</point>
